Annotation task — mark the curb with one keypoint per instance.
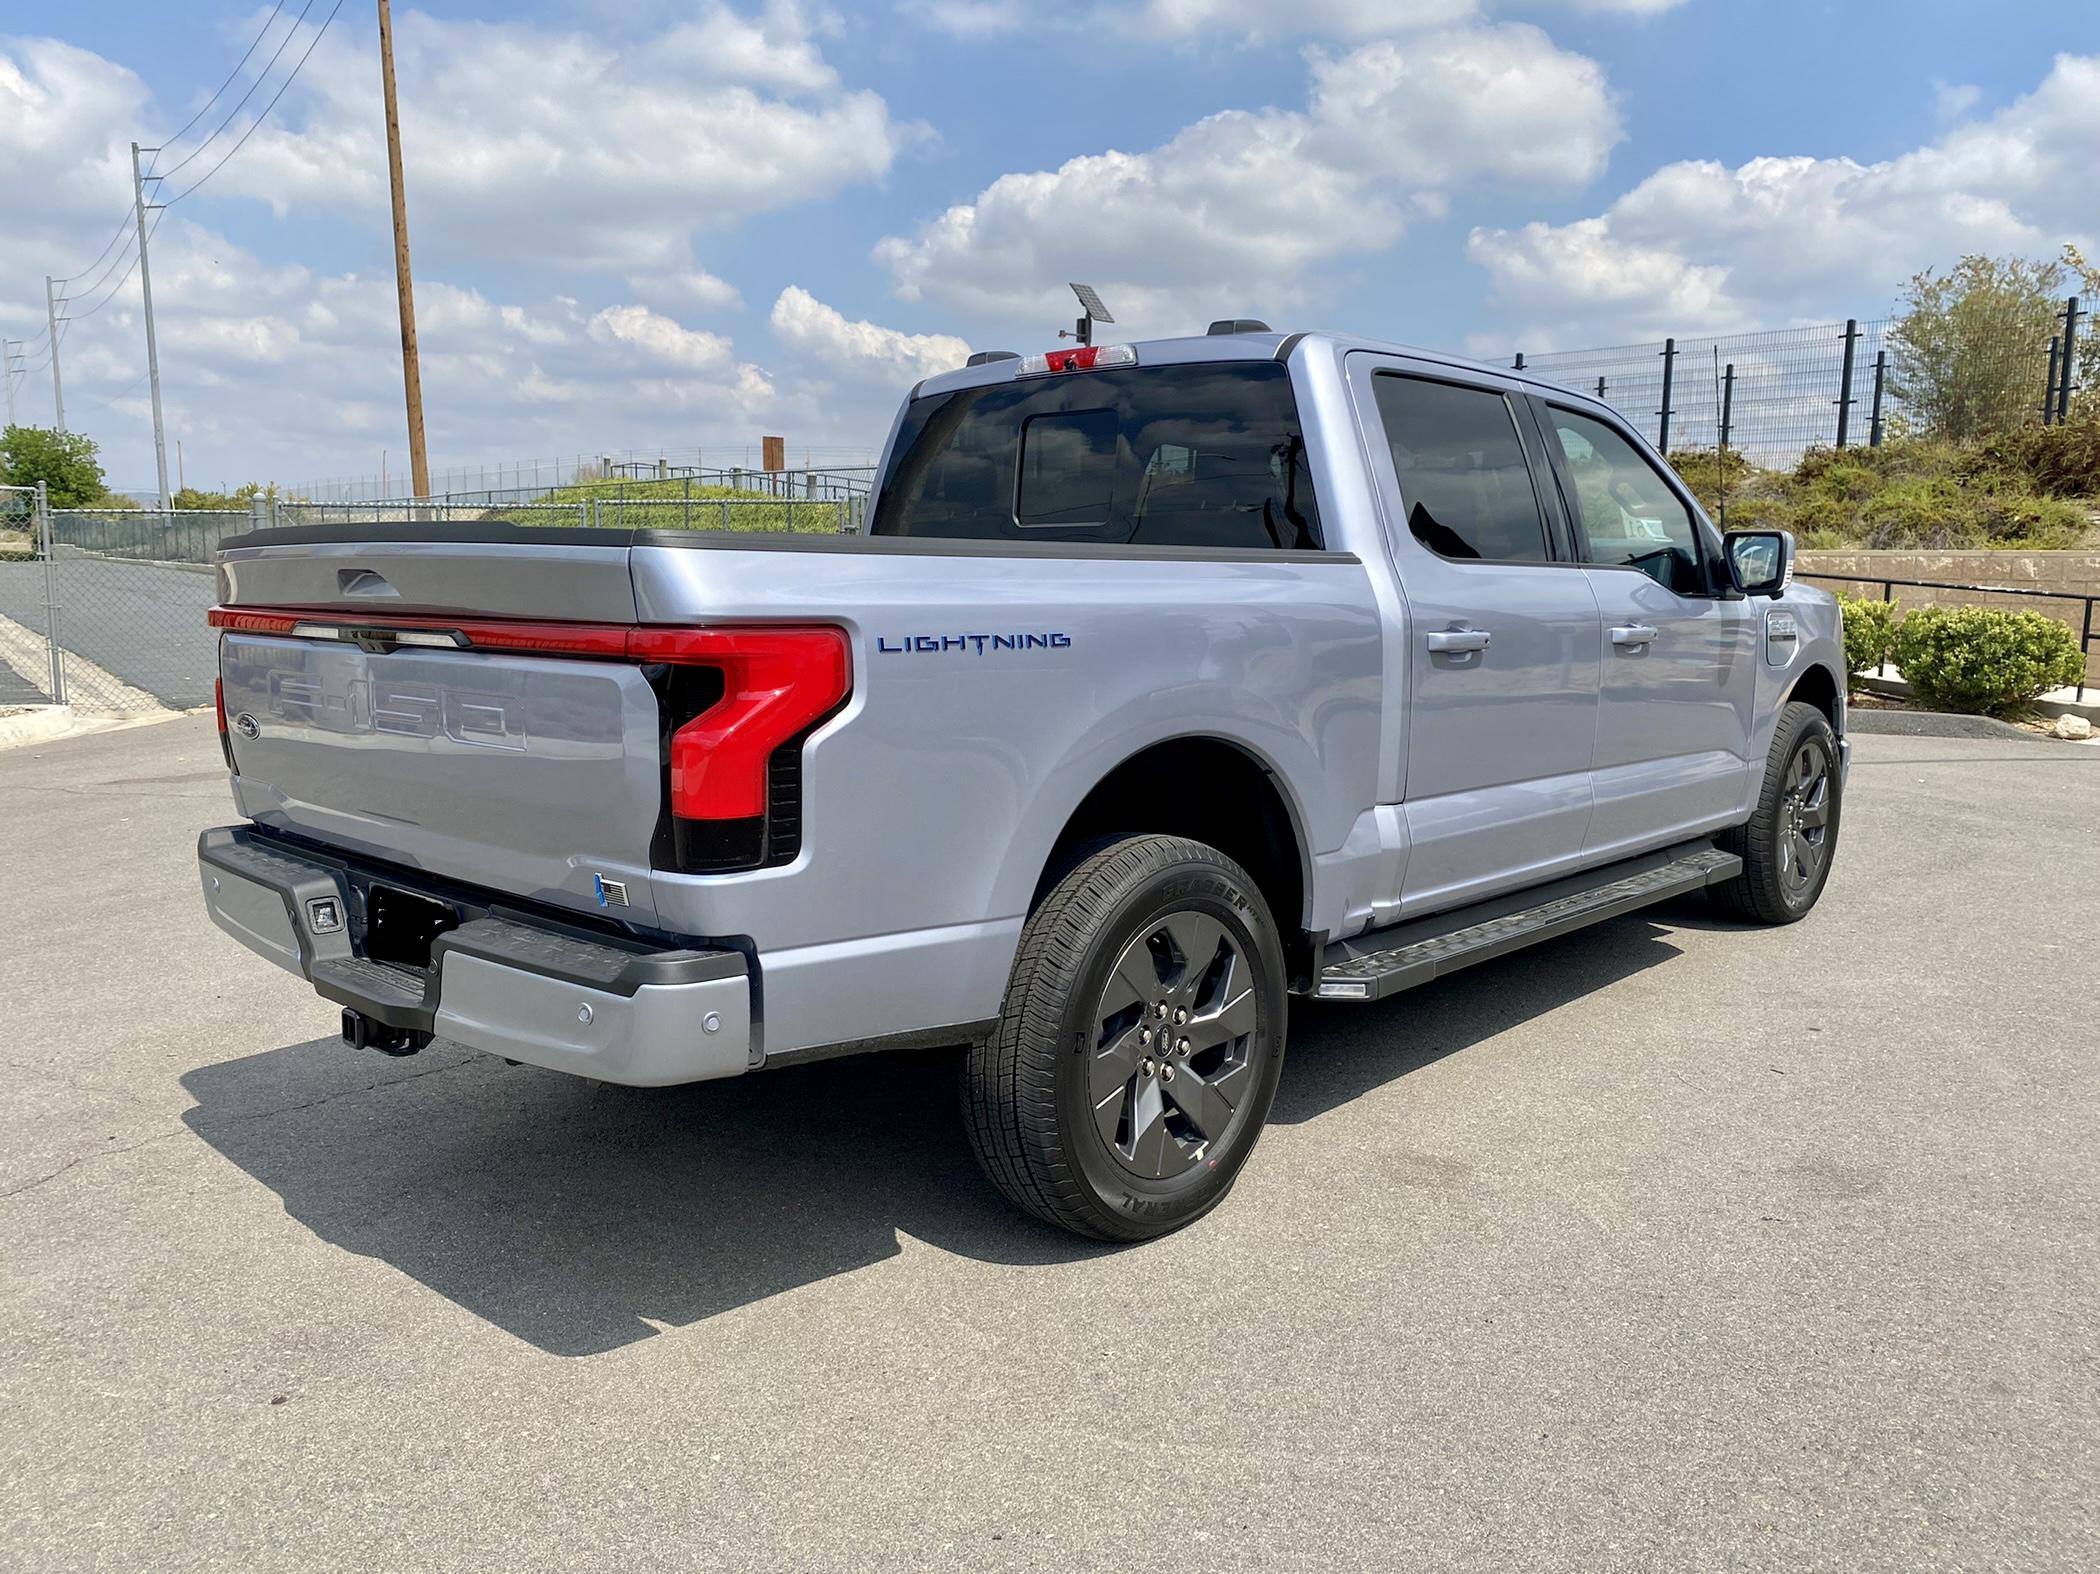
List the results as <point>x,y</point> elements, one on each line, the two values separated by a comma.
<point>2058,703</point>
<point>36,724</point>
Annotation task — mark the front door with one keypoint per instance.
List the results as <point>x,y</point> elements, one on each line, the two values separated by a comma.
<point>1679,661</point>
<point>1502,660</point>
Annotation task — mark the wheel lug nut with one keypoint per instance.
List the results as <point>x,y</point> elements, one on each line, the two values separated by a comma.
<point>1166,1073</point>
<point>1144,1035</point>
<point>1182,1048</point>
<point>1145,1068</point>
<point>1181,1016</point>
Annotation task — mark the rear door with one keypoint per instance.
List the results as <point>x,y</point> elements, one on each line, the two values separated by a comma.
<point>1502,639</point>
<point>1679,668</point>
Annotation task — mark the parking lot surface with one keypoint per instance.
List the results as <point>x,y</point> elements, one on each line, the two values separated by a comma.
<point>1672,1245</point>
<point>143,623</point>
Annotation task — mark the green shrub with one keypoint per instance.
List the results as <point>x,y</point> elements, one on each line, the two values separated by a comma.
<point>1983,660</point>
<point>1870,632</point>
<point>2056,461</point>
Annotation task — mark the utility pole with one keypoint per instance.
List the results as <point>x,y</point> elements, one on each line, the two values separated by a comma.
<point>411,371</point>
<point>7,367</point>
<point>58,392</point>
<point>160,436</point>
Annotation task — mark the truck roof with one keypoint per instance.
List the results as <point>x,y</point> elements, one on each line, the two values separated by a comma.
<point>1233,347</point>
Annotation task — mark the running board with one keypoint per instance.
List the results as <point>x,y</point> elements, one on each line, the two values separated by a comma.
<point>1414,953</point>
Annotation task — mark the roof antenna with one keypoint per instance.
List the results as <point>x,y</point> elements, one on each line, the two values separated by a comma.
<point>1092,311</point>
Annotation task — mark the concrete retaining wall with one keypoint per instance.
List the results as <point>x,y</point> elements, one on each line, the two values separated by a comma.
<point>2068,573</point>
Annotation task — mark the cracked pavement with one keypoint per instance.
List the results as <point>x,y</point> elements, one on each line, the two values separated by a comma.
<point>1670,1245</point>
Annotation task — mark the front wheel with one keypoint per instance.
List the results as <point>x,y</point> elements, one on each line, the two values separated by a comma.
<point>1140,1044</point>
<point>1792,835</point>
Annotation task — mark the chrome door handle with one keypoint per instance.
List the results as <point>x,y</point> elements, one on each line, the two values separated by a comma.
<point>1633,634</point>
<point>1451,641</point>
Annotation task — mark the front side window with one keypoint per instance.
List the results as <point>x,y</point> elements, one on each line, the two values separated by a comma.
<point>1203,455</point>
<point>1626,515</point>
<point>1463,477</point>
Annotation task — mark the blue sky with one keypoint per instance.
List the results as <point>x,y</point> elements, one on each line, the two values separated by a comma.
<point>684,225</point>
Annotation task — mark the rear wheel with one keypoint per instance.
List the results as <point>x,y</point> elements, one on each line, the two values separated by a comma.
<point>1140,1044</point>
<point>1791,837</point>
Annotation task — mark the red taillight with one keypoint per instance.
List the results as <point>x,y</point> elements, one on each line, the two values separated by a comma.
<point>218,703</point>
<point>775,683</point>
<point>235,620</point>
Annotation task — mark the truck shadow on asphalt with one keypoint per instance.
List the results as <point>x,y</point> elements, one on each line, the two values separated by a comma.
<point>582,1217</point>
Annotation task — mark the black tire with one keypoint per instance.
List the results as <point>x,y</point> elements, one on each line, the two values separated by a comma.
<point>1786,827</point>
<point>1029,1096</point>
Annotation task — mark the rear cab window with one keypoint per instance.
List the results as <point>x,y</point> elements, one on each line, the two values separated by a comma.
<point>1202,454</point>
<point>1463,473</point>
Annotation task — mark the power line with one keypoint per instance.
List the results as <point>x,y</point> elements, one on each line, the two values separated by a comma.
<point>95,283</point>
<point>122,230</point>
<point>125,228</point>
<point>260,118</point>
<point>262,76</point>
<point>111,293</point>
<point>268,21</point>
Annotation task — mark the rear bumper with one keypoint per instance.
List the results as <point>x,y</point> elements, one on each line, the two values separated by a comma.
<point>502,980</point>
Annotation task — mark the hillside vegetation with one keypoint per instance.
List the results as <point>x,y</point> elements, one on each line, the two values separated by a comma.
<point>2033,487</point>
<point>670,505</point>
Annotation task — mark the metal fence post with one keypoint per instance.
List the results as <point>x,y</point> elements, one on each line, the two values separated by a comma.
<point>1844,398</point>
<point>1600,390</point>
<point>1727,405</point>
<point>58,666</point>
<point>2070,361</point>
<point>1881,373</point>
<point>2049,385</point>
<point>1662,431</point>
<point>725,513</point>
<point>1518,364</point>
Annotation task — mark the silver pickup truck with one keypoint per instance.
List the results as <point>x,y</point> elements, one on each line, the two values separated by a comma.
<point>1167,681</point>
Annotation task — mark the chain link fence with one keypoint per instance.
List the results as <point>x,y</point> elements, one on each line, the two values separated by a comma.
<point>720,465</point>
<point>104,609</point>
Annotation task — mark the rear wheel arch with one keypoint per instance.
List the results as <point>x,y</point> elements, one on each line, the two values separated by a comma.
<point>1210,790</point>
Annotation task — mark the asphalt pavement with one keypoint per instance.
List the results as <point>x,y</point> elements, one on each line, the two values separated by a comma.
<point>1672,1245</point>
<point>142,622</point>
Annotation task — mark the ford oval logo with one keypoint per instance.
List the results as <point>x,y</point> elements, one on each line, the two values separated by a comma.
<point>247,726</point>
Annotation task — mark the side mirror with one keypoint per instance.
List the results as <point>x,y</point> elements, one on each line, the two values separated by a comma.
<point>1760,562</point>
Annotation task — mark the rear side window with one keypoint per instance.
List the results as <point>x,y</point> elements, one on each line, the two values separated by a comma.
<point>1463,476</point>
<point>1204,455</point>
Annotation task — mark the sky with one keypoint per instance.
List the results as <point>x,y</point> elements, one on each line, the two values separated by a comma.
<point>646,225</point>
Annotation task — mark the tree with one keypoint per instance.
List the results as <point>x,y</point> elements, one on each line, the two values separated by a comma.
<point>1970,347</point>
<point>65,462</point>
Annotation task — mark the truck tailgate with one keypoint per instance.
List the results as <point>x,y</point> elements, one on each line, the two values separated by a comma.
<point>525,773</point>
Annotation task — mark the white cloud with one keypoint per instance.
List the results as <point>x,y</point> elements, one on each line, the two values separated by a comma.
<point>1952,100</point>
<point>803,322</point>
<point>275,370</point>
<point>688,287</point>
<point>1266,19</point>
<point>1248,21</point>
<point>659,338</point>
<point>967,18</point>
<point>1237,213</point>
<point>533,145</point>
<point>1700,247</point>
